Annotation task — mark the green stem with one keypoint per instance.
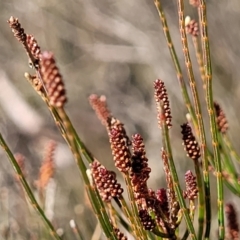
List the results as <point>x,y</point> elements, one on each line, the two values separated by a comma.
<point>75,230</point>
<point>200,124</point>
<point>175,61</point>
<point>199,59</point>
<point>200,200</point>
<point>185,235</point>
<point>213,126</point>
<point>231,148</point>
<point>85,152</point>
<point>128,214</point>
<point>227,161</point>
<point>228,165</point>
<point>176,185</point>
<point>141,233</point>
<point>27,189</point>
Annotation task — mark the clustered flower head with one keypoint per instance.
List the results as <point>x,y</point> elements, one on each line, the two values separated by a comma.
<point>52,80</point>
<point>48,166</point>
<point>99,105</point>
<point>113,122</point>
<point>106,182</point>
<point>161,195</point>
<point>17,30</point>
<point>191,26</point>
<point>119,145</point>
<point>190,143</point>
<point>139,171</point>
<point>146,220</point>
<point>163,106</point>
<point>191,191</point>
<point>34,48</point>
<point>221,119</point>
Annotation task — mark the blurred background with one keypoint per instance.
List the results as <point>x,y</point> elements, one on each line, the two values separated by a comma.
<point>109,47</point>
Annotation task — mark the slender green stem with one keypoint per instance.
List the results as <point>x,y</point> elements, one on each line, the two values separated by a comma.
<point>226,159</point>
<point>140,231</point>
<point>124,223</point>
<point>228,166</point>
<point>200,124</point>
<point>226,180</point>
<point>129,215</point>
<point>112,214</point>
<point>231,148</point>
<point>199,59</point>
<point>176,185</point>
<point>192,210</point>
<point>175,61</point>
<point>213,126</point>
<point>200,200</point>
<point>86,153</point>
<point>163,235</point>
<point>185,235</point>
<point>75,230</point>
<point>27,189</point>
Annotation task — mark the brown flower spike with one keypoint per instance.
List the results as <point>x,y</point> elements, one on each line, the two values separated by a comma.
<point>99,105</point>
<point>163,107</point>
<point>48,166</point>
<point>106,182</point>
<point>17,30</point>
<point>52,80</point>
<point>190,143</point>
<point>191,186</point>
<point>34,48</point>
<point>139,171</point>
<point>120,151</point>
<point>146,220</point>
<point>221,119</point>
<point>47,169</point>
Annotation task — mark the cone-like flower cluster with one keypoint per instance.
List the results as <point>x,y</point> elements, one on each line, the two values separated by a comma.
<point>191,186</point>
<point>163,107</point>
<point>34,48</point>
<point>52,80</point>
<point>119,144</point>
<point>221,119</point>
<point>190,143</point>
<point>106,182</point>
<point>191,27</point>
<point>232,222</point>
<point>161,195</point>
<point>139,171</point>
<point>115,123</point>
<point>48,166</point>
<point>99,105</point>
<point>17,30</point>
<point>146,220</point>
